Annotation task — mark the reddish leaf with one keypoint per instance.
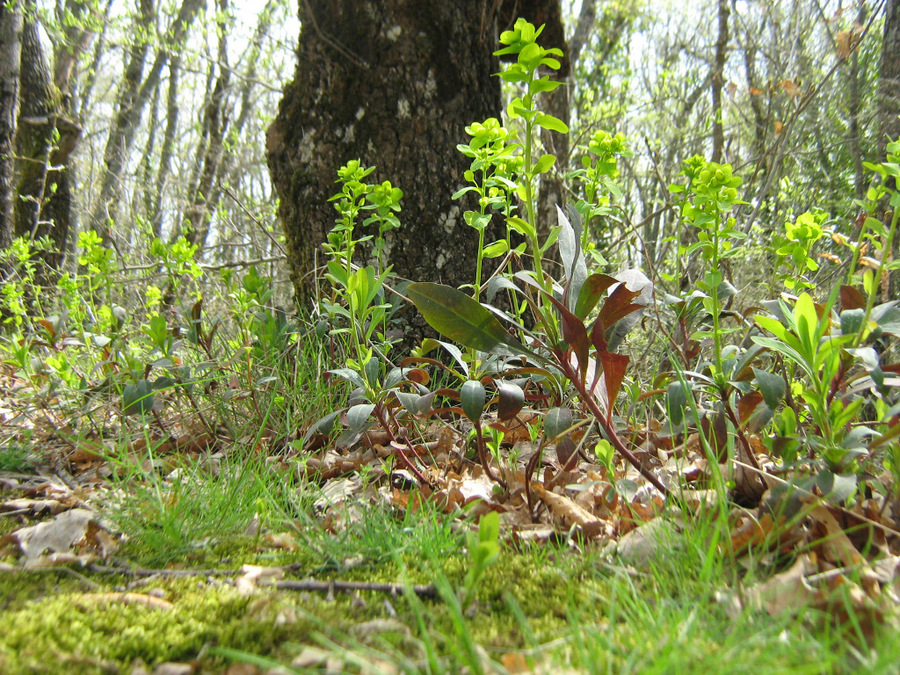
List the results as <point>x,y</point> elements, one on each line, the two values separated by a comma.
<point>598,336</point>
<point>564,451</point>
<point>593,289</point>
<point>619,305</point>
<point>851,298</point>
<point>747,405</point>
<point>418,376</point>
<point>614,367</point>
<point>574,333</point>
<point>511,400</point>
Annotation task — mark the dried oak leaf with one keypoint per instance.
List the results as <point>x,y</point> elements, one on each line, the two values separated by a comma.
<point>78,528</point>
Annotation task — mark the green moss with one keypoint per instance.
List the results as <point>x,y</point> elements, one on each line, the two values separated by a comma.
<point>54,626</point>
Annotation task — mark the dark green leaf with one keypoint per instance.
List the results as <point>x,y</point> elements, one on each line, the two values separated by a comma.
<point>137,399</point>
<point>556,421</point>
<point>472,398</point>
<point>455,315</point>
<point>771,386</point>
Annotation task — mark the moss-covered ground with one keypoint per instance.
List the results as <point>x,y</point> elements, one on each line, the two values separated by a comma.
<point>562,607</point>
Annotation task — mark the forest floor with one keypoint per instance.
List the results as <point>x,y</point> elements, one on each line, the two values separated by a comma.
<point>194,552</point>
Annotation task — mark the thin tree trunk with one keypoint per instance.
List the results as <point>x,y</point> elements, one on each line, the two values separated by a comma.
<point>889,103</point>
<point>854,108</point>
<point>197,217</point>
<point>133,98</point>
<point>37,117</point>
<point>889,77</point>
<point>718,81</point>
<point>11,26</point>
<point>155,210</point>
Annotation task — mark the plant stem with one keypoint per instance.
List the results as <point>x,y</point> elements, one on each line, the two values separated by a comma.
<point>605,421</point>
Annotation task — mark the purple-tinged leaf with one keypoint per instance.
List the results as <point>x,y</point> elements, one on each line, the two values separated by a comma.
<point>591,291</point>
<point>511,399</point>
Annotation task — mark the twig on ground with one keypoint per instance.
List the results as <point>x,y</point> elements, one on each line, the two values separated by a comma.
<point>428,591</point>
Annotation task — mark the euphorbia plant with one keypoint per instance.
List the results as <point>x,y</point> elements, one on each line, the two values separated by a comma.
<point>566,343</point>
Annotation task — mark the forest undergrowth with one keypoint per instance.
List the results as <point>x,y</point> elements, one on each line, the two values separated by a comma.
<point>582,468</point>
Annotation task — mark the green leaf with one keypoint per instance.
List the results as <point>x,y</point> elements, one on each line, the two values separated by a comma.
<point>556,421</point>
<point>771,386</point>
<point>137,399</point>
<point>552,123</point>
<point>522,227</point>
<point>676,402</point>
<point>472,398</point>
<point>543,84</point>
<point>358,416</point>
<point>455,315</point>
<point>544,163</point>
<point>495,250</point>
<point>591,291</point>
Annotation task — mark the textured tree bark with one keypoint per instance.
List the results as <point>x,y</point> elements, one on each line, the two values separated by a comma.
<point>35,130</point>
<point>11,23</point>
<point>392,83</point>
<point>47,135</point>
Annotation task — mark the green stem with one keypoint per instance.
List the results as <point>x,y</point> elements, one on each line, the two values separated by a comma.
<point>879,274</point>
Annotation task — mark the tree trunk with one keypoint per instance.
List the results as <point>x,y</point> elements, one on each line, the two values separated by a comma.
<point>133,98</point>
<point>35,130</point>
<point>718,81</point>
<point>392,83</point>
<point>195,227</point>
<point>11,24</point>
<point>854,107</point>
<point>889,104</point>
<point>889,93</point>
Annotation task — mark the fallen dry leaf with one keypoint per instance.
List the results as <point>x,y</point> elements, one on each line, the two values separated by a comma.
<point>253,577</point>
<point>77,527</point>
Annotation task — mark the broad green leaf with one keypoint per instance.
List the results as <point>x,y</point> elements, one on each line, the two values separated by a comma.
<point>591,291</point>
<point>544,163</point>
<point>350,375</point>
<point>785,350</point>
<point>322,426</point>
<point>495,250</point>
<point>522,227</point>
<point>552,123</point>
<point>542,84</point>
<point>807,321</point>
<point>358,416</point>
<point>458,317</point>
<point>676,403</point>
